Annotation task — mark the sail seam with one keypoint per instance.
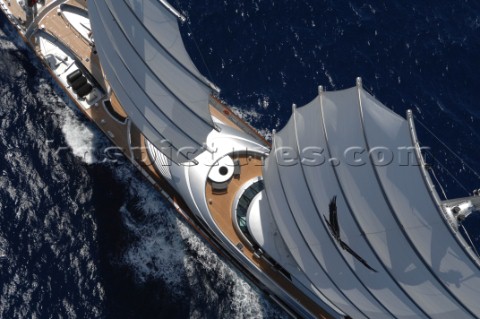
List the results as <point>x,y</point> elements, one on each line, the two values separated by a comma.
<point>146,95</point>
<point>147,121</point>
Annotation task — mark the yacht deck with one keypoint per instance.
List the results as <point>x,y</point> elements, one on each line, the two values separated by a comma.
<point>116,131</point>
<point>221,206</point>
<point>227,116</point>
<point>54,24</point>
<point>117,107</point>
<point>17,11</point>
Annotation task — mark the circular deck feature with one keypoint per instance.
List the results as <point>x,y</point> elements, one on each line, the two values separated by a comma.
<point>222,170</point>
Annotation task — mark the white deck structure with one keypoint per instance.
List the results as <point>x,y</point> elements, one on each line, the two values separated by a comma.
<point>62,62</point>
<point>78,19</point>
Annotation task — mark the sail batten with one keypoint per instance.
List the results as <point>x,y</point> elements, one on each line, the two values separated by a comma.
<point>397,304</point>
<point>339,266</point>
<point>157,128</point>
<point>147,128</point>
<point>416,209</point>
<point>385,223</point>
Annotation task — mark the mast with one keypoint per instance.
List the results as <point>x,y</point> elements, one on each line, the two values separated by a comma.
<point>173,11</point>
<point>29,10</point>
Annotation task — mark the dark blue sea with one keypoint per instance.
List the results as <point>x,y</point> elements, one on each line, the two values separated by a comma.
<point>82,237</point>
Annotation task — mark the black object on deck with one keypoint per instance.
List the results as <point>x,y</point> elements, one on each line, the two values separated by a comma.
<point>78,83</point>
<point>84,90</point>
<point>74,76</point>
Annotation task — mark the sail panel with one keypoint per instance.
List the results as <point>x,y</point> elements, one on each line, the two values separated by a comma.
<point>157,129</point>
<point>163,25</point>
<point>417,211</point>
<point>147,129</point>
<point>367,222</point>
<point>151,83</point>
<point>167,96</point>
<point>327,253</point>
<point>322,186</point>
<point>297,246</point>
<point>366,199</point>
<point>172,79</point>
<point>321,179</point>
<point>262,226</point>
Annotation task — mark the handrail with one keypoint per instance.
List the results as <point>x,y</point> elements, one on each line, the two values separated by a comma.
<point>45,10</point>
<point>242,124</point>
<point>234,210</point>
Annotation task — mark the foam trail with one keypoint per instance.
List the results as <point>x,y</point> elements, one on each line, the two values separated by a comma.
<point>3,247</point>
<point>244,300</point>
<point>79,137</point>
<point>9,40</point>
<point>47,252</point>
<point>167,249</point>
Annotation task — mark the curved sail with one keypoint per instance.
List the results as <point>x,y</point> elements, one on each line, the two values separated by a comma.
<point>350,202</point>
<point>158,85</point>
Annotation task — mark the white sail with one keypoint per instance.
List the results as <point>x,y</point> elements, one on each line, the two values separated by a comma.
<point>146,63</point>
<point>409,263</point>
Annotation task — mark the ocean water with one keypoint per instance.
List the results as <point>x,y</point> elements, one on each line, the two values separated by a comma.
<point>82,237</point>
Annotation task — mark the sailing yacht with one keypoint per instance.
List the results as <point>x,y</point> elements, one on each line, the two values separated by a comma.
<point>336,218</point>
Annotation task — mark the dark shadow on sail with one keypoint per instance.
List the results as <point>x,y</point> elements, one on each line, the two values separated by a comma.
<point>332,224</point>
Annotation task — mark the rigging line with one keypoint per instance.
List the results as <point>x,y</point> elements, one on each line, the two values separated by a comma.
<point>436,179</point>
<point>440,185</point>
<point>449,173</point>
<point>448,148</point>
<point>471,242</point>
<point>199,51</point>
